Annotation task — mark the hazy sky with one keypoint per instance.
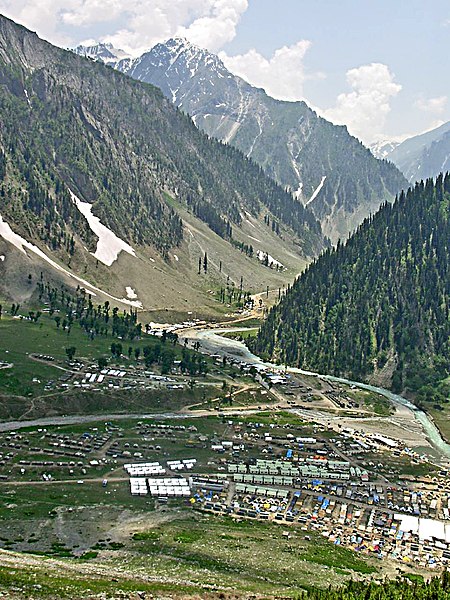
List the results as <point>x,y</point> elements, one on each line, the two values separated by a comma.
<point>379,66</point>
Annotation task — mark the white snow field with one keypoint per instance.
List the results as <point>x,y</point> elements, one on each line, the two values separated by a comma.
<point>20,243</point>
<point>317,190</point>
<point>109,245</point>
<point>262,257</point>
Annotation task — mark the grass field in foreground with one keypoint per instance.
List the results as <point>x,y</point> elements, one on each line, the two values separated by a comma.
<point>188,551</point>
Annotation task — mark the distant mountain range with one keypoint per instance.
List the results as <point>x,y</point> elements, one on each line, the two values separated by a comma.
<point>418,157</point>
<point>383,148</point>
<point>104,52</point>
<point>103,181</point>
<point>325,167</point>
<point>424,155</point>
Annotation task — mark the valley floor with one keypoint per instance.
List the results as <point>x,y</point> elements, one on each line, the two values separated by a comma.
<point>268,527</point>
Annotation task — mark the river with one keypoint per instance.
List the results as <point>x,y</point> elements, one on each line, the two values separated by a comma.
<point>213,343</point>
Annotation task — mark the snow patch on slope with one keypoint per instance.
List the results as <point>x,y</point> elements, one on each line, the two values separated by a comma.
<point>109,245</point>
<point>27,97</point>
<point>263,256</point>
<point>20,243</point>
<point>258,119</point>
<point>317,190</point>
<point>383,148</point>
<point>298,193</point>
<point>131,294</point>
<point>243,109</point>
<point>246,217</point>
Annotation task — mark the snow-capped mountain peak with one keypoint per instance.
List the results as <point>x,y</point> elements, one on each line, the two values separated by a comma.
<point>171,64</point>
<point>179,42</point>
<point>383,148</point>
<point>103,51</point>
<point>186,55</point>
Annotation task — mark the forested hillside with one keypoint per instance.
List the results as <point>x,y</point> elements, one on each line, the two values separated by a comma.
<point>438,588</point>
<point>70,123</point>
<point>381,301</point>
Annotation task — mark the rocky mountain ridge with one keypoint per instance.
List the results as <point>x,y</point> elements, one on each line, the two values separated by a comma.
<point>425,155</point>
<point>321,163</point>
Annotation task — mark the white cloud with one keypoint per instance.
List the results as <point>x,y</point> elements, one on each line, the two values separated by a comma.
<point>42,16</point>
<point>365,108</point>
<point>434,106</point>
<point>87,12</point>
<point>282,75</point>
<point>209,23</point>
<point>218,27</point>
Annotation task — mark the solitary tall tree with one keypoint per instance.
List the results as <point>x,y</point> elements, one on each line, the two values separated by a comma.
<point>70,352</point>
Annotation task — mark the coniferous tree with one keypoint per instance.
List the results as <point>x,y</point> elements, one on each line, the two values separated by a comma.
<point>384,296</point>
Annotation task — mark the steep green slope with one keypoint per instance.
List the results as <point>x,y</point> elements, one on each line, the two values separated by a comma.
<point>68,123</point>
<point>381,299</point>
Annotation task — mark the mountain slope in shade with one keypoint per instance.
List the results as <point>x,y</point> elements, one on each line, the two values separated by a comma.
<point>80,141</point>
<point>423,155</point>
<point>380,301</point>
<point>292,144</point>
